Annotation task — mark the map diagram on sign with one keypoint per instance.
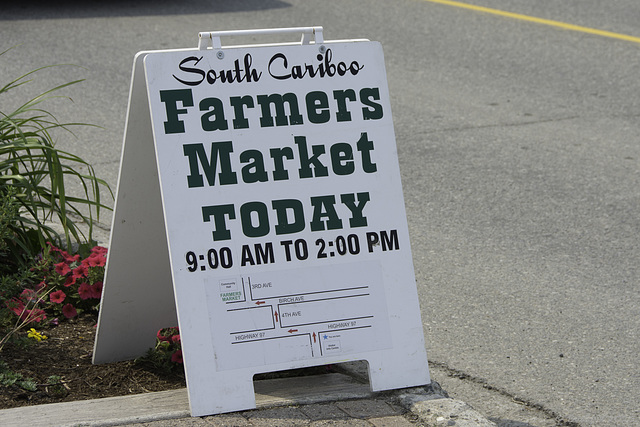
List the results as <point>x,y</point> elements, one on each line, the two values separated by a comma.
<point>289,315</point>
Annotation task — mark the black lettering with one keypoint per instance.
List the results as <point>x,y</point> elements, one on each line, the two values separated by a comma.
<point>190,70</point>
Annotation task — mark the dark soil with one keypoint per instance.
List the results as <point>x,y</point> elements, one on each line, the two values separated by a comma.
<point>67,353</point>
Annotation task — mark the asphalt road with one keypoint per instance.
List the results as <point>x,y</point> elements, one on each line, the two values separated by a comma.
<point>519,146</point>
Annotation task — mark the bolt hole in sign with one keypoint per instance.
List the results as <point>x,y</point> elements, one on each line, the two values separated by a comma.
<point>284,214</point>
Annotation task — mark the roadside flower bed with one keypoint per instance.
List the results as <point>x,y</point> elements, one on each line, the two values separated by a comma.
<point>58,286</point>
<point>59,293</point>
<point>49,297</point>
<point>61,286</point>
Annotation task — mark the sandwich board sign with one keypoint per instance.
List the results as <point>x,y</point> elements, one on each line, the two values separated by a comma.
<point>260,205</point>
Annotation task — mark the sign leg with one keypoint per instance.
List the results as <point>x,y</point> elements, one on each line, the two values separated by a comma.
<point>137,297</point>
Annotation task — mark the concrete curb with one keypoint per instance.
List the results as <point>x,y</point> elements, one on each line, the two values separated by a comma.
<point>109,411</point>
<point>433,409</point>
<point>430,404</point>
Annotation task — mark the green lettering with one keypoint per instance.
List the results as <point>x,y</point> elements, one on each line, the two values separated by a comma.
<point>305,170</point>
<point>317,107</point>
<point>238,103</point>
<point>254,171</point>
<point>357,219</point>
<point>374,112</point>
<point>278,155</point>
<point>171,99</point>
<point>341,96</point>
<point>295,207</point>
<point>218,213</point>
<point>365,147</point>
<point>214,109</point>
<point>220,154</point>
<point>342,158</point>
<point>265,101</point>
<point>324,207</point>
<point>247,211</point>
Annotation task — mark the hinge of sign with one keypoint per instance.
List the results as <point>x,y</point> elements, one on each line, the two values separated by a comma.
<point>212,40</point>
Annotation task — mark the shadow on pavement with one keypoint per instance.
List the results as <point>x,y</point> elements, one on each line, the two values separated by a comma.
<point>42,9</point>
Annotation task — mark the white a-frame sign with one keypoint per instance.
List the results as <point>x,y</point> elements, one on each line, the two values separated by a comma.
<point>260,206</point>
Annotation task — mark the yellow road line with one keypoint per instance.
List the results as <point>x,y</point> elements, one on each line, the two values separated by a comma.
<point>542,21</point>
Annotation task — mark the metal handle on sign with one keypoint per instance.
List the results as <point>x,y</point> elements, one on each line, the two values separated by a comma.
<point>214,36</point>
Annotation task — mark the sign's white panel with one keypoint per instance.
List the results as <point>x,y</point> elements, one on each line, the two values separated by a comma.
<point>284,215</point>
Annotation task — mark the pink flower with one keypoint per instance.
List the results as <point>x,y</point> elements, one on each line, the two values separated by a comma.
<point>80,271</point>
<point>36,315</point>
<point>15,305</point>
<point>99,250</point>
<point>69,311</point>
<point>71,259</point>
<point>161,335</point>
<point>176,357</point>
<point>175,339</point>
<point>95,260</point>
<point>165,334</point>
<point>65,255</point>
<point>62,269</point>
<point>96,290</point>
<point>28,295</point>
<point>57,297</point>
<point>84,291</point>
<point>70,281</point>
<point>53,248</point>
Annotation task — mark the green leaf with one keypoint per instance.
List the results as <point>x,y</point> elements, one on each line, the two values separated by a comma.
<point>39,174</point>
<point>28,384</point>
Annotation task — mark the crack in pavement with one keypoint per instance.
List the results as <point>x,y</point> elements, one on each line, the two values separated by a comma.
<point>463,376</point>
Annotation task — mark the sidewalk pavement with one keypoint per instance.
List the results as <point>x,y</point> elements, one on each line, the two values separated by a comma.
<point>408,407</point>
<point>336,399</point>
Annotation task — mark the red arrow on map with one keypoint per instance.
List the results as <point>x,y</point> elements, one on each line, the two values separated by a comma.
<point>292,331</point>
<point>314,337</point>
<point>276,314</point>
<point>261,302</point>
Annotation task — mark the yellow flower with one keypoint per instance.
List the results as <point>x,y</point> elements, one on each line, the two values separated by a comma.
<point>36,335</point>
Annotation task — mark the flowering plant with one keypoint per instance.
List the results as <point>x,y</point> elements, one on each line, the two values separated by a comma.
<point>59,285</point>
<point>74,281</point>
<point>167,354</point>
<point>168,341</point>
<point>23,310</point>
<point>26,306</point>
<point>36,335</point>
